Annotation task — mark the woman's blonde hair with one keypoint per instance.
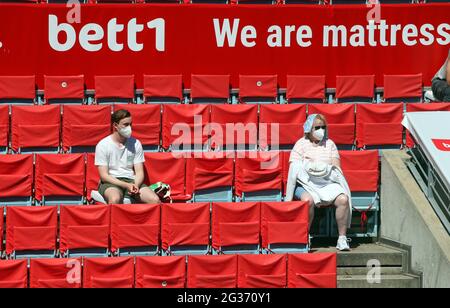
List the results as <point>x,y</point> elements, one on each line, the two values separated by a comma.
<point>318,117</point>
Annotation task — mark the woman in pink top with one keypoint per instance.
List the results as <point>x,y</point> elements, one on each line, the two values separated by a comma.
<point>315,146</point>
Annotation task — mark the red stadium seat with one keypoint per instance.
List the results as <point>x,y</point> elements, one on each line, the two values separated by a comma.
<point>161,272</point>
<point>166,168</point>
<point>64,89</point>
<point>92,175</point>
<point>35,128</point>
<point>135,229</point>
<point>210,88</point>
<point>16,179</point>
<point>187,133</point>
<point>163,88</point>
<point>234,126</point>
<point>284,226</point>
<point>262,271</point>
<point>4,128</point>
<point>209,178</point>
<point>317,270</point>
<point>146,124</point>
<point>55,273</point>
<point>60,178</point>
<point>114,89</point>
<point>290,119</point>
<point>185,228</point>
<point>259,178</point>
<point>14,274</point>
<point>31,231</point>
<point>212,272</point>
<point>379,125</point>
<point>420,107</point>
<point>303,88</point>
<point>84,230</point>
<point>258,88</point>
<point>2,213</point>
<point>84,127</point>
<point>236,227</point>
<point>18,89</point>
<point>284,156</point>
<point>403,88</point>
<point>108,272</point>
<point>341,121</point>
<point>358,88</point>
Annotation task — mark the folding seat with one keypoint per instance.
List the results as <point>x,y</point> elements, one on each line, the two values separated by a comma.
<point>235,127</point>
<point>357,88</point>
<point>35,128</point>
<point>163,89</point>
<point>185,228</point>
<point>17,90</point>
<point>210,89</point>
<point>302,1</point>
<point>236,227</point>
<point>305,89</point>
<point>210,177</point>
<point>84,230</point>
<point>341,122</point>
<point>212,271</point>
<point>135,229</point>
<point>315,270</point>
<point>284,227</point>
<point>170,169</point>
<point>84,127</point>
<point>146,124</point>
<point>2,218</point>
<point>31,231</point>
<point>55,273</point>
<point>361,170</point>
<point>379,125</point>
<point>253,1</point>
<point>161,272</point>
<point>64,89</point>
<point>210,1</point>
<point>114,89</point>
<point>4,129</point>
<point>403,88</point>
<point>108,272</point>
<point>16,179</point>
<point>14,274</point>
<point>421,107</point>
<point>262,271</point>
<point>258,89</point>
<point>289,118</point>
<point>184,127</point>
<point>335,2</point>
<point>259,176</point>
<point>60,179</point>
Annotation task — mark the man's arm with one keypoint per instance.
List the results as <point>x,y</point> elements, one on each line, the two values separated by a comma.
<point>106,178</point>
<point>336,162</point>
<point>139,174</point>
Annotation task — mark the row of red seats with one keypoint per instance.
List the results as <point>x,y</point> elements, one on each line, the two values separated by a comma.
<point>73,174</point>
<point>211,87</point>
<point>119,227</point>
<point>244,271</point>
<point>85,126</point>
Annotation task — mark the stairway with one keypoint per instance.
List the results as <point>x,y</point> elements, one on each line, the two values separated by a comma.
<point>393,267</point>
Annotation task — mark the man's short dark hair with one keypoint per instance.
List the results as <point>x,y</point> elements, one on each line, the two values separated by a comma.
<point>119,115</point>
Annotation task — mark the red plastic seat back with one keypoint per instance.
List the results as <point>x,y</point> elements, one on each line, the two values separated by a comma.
<point>55,273</point>
<point>14,274</point>
<point>305,87</point>
<point>2,209</point>
<point>92,175</point>
<point>262,271</point>
<point>403,86</point>
<point>114,87</point>
<point>210,86</point>
<point>212,271</point>
<point>4,125</point>
<point>134,226</point>
<point>361,86</point>
<point>161,272</point>
<point>17,176</point>
<point>312,270</point>
<point>360,170</point>
<point>258,86</point>
<point>163,86</point>
<point>64,87</point>
<point>19,87</point>
<point>108,272</point>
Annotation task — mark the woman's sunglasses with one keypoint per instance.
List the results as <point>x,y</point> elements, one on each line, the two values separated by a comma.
<point>319,127</point>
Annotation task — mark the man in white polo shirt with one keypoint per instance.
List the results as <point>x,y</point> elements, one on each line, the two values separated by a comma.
<point>120,161</point>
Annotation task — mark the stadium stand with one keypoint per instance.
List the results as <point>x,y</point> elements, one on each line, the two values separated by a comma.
<point>210,89</point>
<point>163,89</point>
<point>113,89</point>
<point>258,89</point>
<point>64,89</point>
<point>355,88</point>
<point>212,271</point>
<point>18,90</point>
<point>262,271</point>
<point>312,270</point>
<point>16,179</point>
<point>161,272</point>
<point>108,272</point>
<point>403,88</point>
<point>305,89</point>
<point>14,274</point>
<point>2,213</point>
<point>4,129</point>
<point>53,273</point>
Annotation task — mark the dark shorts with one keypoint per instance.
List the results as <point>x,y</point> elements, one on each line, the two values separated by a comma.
<point>441,89</point>
<point>102,187</point>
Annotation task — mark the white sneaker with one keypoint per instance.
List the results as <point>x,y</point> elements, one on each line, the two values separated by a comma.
<point>342,244</point>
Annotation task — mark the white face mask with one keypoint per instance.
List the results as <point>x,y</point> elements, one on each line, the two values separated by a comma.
<point>319,134</point>
<point>125,131</point>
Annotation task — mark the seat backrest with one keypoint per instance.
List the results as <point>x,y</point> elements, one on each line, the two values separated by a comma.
<point>403,87</point>
<point>258,87</point>
<point>212,271</point>
<point>163,87</point>
<point>107,87</point>
<point>14,274</point>
<point>64,88</point>
<point>134,226</point>
<point>108,272</point>
<point>316,270</point>
<point>55,273</point>
<point>361,170</point>
<point>161,272</point>
<point>92,175</point>
<point>305,87</point>
<point>262,271</point>
<point>2,211</point>
<point>355,87</point>
<point>207,87</point>
<point>17,176</point>
<point>17,87</point>
<point>4,125</point>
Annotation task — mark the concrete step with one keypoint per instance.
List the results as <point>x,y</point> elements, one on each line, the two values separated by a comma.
<point>386,281</point>
<point>365,270</point>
